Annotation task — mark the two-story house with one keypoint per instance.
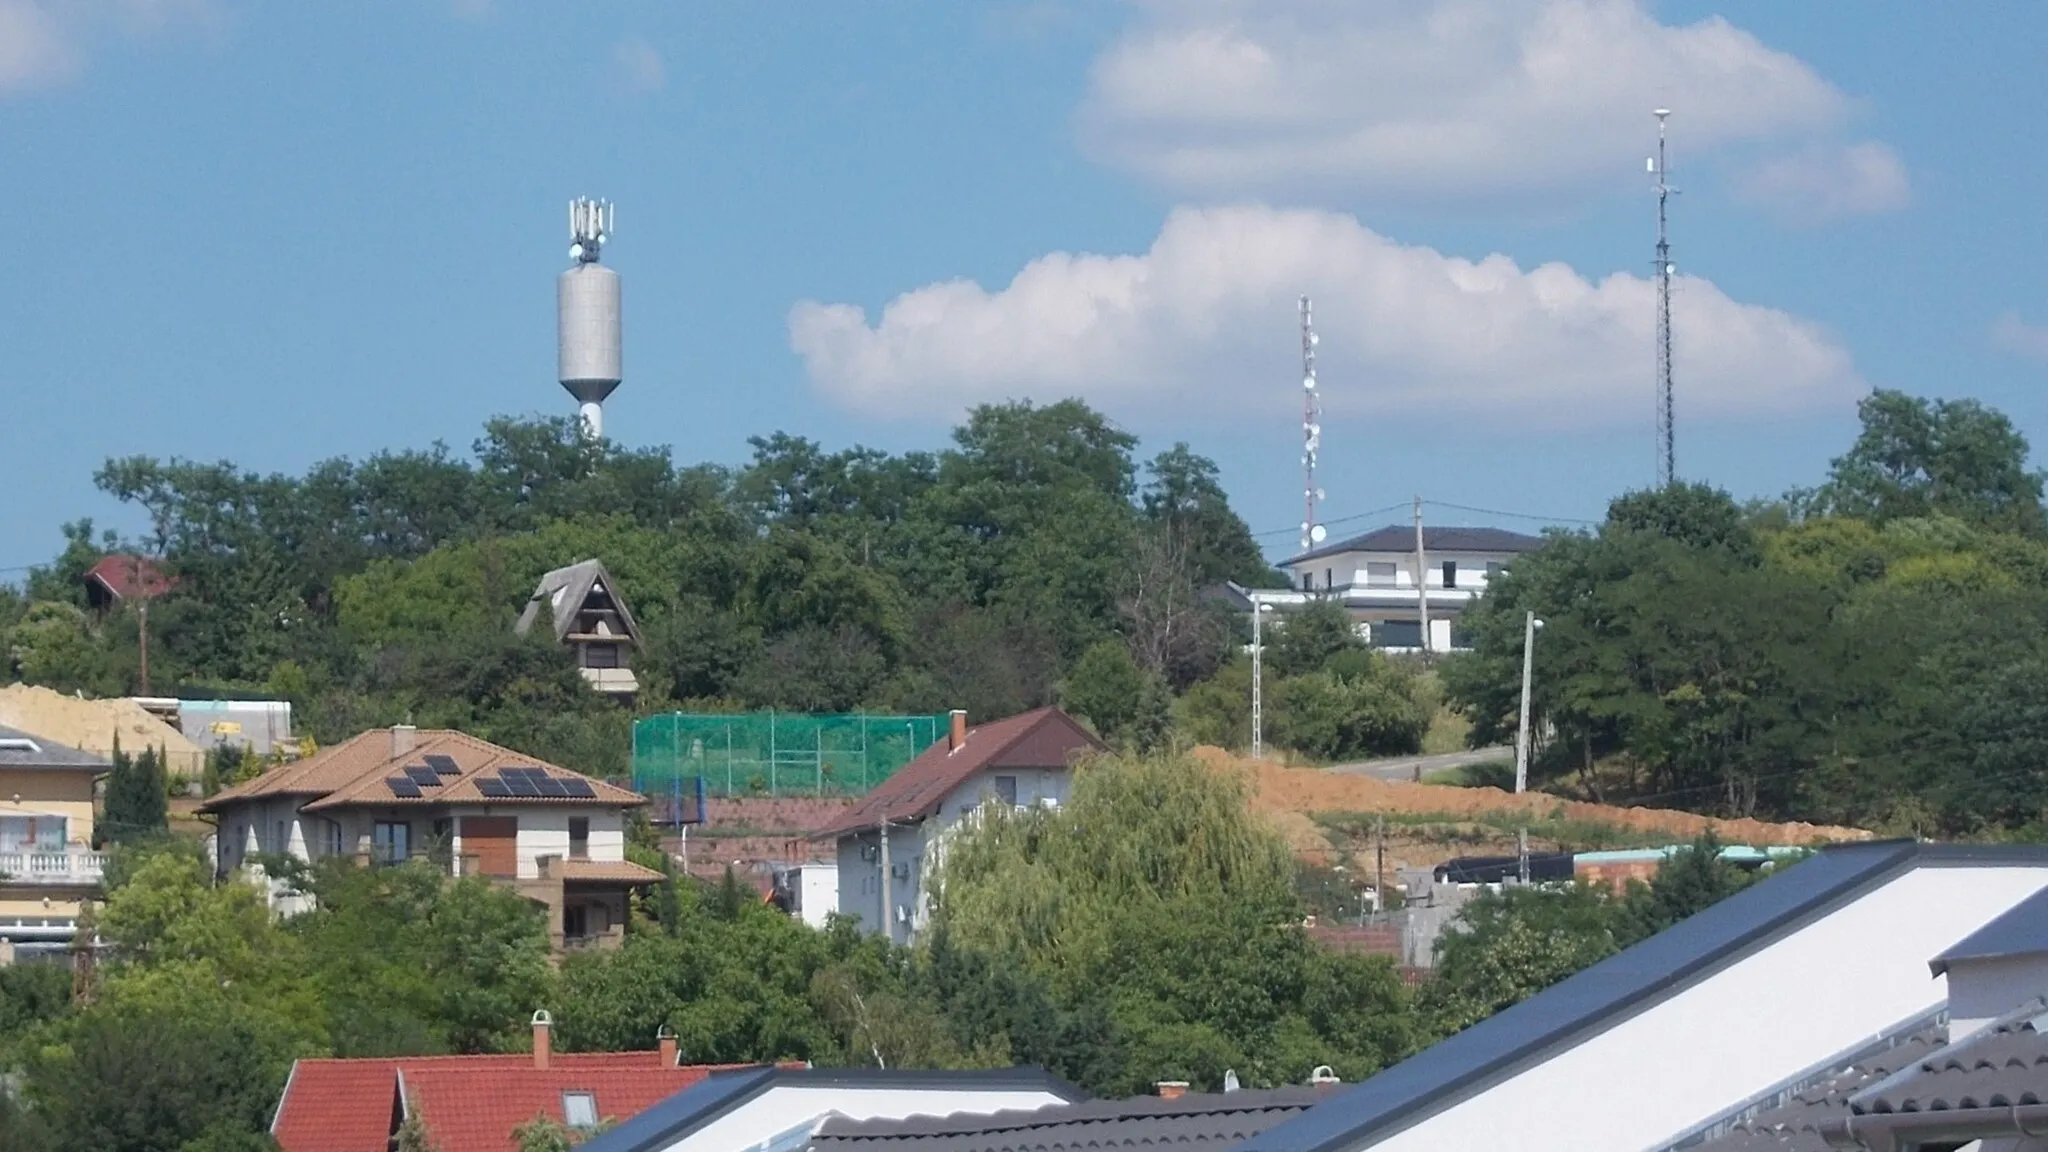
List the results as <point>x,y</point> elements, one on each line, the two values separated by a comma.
<point>1386,582</point>
<point>47,865</point>
<point>889,842</point>
<point>471,807</point>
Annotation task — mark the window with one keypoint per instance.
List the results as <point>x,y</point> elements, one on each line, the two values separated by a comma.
<point>1380,574</point>
<point>1308,581</point>
<point>1006,790</point>
<point>31,833</point>
<point>333,838</point>
<point>1329,578</point>
<point>579,837</point>
<point>579,1109</point>
<point>1450,573</point>
<point>574,925</point>
<point>282,841</point>
<point>600,655</point>
<point>391,841</point>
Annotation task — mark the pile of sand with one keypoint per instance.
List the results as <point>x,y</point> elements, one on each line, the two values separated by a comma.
<point>1289,797</point>
<point>93,725</point>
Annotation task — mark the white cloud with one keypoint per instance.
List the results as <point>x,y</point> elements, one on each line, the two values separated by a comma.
<point>1826,181</point>
<point>1203,325</point>
<point>2016,335</point>
<point>1445,99</point>
<point>639,65</point>
<point>34,49</point>
<point>43,42</point>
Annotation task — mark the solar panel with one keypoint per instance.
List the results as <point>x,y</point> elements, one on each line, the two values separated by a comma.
<point>493,789</point>
<point>422,775</point>
<point>549,786</point>
<point>521,786</point>
<point>443,764</point>
<point>403,787</point>
<point>580,789</point>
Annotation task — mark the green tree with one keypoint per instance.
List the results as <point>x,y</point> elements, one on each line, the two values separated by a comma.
<point>1108,688</point>
<point>1917,457</point>
<point>138,805</point>
<point>1308,638</point>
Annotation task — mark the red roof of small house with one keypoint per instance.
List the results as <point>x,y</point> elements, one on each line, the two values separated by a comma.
<point>126,576</point>
<point>1040,738</point>
<point>469,1103</point>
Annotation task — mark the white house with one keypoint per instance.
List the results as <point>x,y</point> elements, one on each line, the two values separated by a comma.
<point>472,807</point>
<point>889,842</point>
<point>1711,1028</point>
<point>1385,581</point>
<point>592,620</point>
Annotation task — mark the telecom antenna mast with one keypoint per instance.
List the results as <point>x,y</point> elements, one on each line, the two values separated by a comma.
<point>1312,533</point>
<point>1667,467</point>
<point>587,314</point>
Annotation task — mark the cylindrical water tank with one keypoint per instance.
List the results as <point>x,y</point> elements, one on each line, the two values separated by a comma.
<point>587,303</point>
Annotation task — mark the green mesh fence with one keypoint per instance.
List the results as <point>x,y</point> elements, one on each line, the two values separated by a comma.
<point>777,753</point>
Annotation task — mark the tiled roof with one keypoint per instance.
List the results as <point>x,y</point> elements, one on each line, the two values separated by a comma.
<point>356,772</point>
<point>1041,738</point>
<point>1395,538</point>
<point>2003,1065</point>
<point>622,871</point>
<point>1190,1123</point>
<point>128,576</point>
<point>1795,1126</point>
<point>469,1103</point>
<point>45,753</point>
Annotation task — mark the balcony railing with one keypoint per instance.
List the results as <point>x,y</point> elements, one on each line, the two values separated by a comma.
<point>64,866</point>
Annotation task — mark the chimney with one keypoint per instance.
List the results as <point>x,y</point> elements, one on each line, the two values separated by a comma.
<point>403,737</point>
<point>543,1042</point>
<point>1172,1089</point>
<point>666,1037</point>
<point>959,734</point>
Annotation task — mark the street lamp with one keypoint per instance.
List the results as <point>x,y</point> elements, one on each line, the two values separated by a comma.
<point>1259,609</point>
<point>1529,626</point>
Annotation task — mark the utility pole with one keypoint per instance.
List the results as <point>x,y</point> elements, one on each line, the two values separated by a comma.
<point>888,905</point>
<point>1421,578</point>
<point>1529,626</point>
<point>142,592</point>
<point>1379,863</point>
<point>1258,678</point>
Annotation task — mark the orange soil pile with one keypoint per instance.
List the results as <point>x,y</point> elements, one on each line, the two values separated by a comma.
<point>1290,795</point>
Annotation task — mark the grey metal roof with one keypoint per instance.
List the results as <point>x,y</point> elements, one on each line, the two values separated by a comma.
<point>2022,930</point>
<point>575,583</point>
<point>721,1092</point>
<point>19,749</point>
<point>1395,538</point>
<point>2002,1065</point>
<point>1795,1126</point>
<point>1567,1013</point>
<point>1193,1123</point>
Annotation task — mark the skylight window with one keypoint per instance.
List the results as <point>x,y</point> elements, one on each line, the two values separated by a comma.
<point>580,1109</point>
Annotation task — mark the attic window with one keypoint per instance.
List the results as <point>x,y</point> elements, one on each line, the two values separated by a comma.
<point>579,1109</point>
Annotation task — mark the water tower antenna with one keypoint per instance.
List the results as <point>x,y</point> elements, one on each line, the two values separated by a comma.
<point>1667,467</point>
<point>587,312</point>
<point>1312,533</point>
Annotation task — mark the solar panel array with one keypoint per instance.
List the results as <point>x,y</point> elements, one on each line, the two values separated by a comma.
<point>403,787</point>
<point>493,788</point>
<point>423,776</point>
<point>443,764</point>
<point>528,782</point>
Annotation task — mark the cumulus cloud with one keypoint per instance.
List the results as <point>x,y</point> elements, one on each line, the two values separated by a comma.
<point>639,65</point>
<point>2016,335</point>
<point>1824,182</point>
<point>1203,325</point>
<point>1449,98</point>
<point>42,42</point>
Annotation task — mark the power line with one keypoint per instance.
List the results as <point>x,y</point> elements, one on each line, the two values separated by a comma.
<point>1328,523</point>
<point>1509,515</point>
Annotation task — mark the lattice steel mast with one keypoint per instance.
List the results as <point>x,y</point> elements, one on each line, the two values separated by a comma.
<point>1312,533</point>
<point>1667,466</point>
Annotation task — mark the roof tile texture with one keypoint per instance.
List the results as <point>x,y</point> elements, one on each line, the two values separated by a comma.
<point>2005,1065</point>
<point>1795,1125</point>
<point>1191,1123</point>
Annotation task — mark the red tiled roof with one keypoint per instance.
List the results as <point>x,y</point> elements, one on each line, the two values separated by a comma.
<point>358,771</point>
<point>469,1103</point>
<point>129,576</point>
<point>1040,738</point>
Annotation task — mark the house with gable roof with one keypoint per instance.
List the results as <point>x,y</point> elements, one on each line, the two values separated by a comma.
<point>888,843</point>
<point>590,618</point>
<point>471,807</point>
<point>47,863</point>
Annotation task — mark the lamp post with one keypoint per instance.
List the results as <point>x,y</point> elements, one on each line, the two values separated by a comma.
<point>1529,626</point>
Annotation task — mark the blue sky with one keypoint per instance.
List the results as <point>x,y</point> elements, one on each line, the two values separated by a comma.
<point>277,232</point>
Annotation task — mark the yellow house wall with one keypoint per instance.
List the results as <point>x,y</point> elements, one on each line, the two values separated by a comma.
<point>67,794</point>
<point>16,902</point>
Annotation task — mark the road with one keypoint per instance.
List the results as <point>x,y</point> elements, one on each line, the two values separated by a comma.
<point>1415,767</point>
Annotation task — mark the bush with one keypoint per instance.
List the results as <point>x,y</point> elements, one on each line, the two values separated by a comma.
<point>1328,716</point>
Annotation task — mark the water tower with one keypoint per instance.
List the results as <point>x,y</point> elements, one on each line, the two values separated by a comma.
<point>587,308</point>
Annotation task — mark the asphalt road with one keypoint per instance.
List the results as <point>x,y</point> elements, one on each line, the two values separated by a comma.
<point>1415,767</point>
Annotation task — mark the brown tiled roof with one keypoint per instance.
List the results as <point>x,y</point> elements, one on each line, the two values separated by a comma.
<point>620,871</point>
<point>2003,1065</point>
<point>1041,738</point>
<point>128,576</point>
<point>355,772</point>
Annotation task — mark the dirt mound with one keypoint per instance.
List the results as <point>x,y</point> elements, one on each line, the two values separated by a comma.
<point>1291,795</point>
<point>93,725</point>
